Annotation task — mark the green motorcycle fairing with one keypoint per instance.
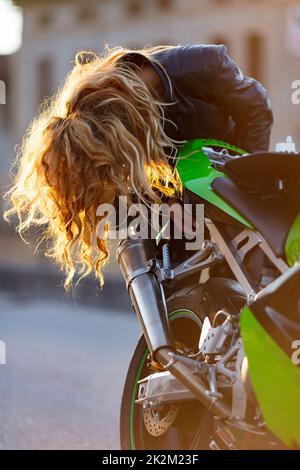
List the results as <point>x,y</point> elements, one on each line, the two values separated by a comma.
<point>275,380</point>
<point>292,246</point>
<point>197,173</point>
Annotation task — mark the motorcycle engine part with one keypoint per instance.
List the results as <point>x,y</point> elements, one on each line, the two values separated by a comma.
<point>204,332</point>
<point>247,381</point>
<point>184,373</point>
<point>164,388</point>
<point>216,337</point>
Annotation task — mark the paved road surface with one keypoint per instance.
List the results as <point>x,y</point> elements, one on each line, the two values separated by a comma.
<point>62,383</point>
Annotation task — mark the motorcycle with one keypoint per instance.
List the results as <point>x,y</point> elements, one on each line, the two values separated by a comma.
<point>213,368</point>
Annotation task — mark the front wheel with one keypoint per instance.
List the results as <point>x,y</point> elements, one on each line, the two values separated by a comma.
<point>186,425</point>
<point>177,424</point>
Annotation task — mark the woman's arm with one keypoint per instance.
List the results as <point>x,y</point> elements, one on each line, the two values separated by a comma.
<point>211,69</point>
<point>247,102</point>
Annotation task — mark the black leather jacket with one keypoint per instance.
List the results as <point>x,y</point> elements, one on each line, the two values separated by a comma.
<point>210,96</point>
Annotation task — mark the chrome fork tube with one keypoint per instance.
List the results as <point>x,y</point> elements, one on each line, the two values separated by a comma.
<point>136,258</point>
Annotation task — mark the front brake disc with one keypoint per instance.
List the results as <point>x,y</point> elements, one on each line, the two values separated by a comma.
<point>157,422</point>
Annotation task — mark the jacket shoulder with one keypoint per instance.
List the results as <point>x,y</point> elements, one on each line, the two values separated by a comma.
<point>197,62</point>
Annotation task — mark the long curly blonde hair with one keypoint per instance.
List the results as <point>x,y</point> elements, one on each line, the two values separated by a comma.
<point>101,136</point>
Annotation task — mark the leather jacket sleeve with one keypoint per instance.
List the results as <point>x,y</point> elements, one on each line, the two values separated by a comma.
<point>243,98</point>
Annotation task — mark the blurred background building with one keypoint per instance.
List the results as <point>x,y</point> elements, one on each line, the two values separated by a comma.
<point>261,35</point>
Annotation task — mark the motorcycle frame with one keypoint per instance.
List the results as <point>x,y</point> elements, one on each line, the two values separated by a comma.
<point>218,249</point>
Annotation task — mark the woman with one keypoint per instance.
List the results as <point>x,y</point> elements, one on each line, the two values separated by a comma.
<point>112,130</point>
